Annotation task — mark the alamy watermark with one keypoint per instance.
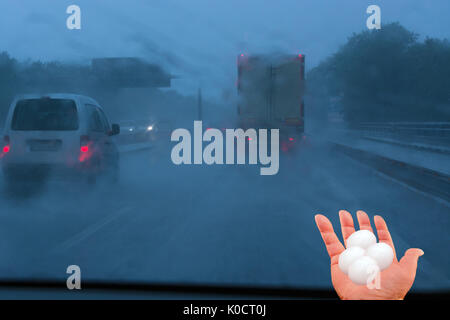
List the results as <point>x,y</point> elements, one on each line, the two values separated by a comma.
<point>74,280</point>
<point>374,277</point>
<point>374,20</point>
<point>74,20</point>
<point>235,140</point>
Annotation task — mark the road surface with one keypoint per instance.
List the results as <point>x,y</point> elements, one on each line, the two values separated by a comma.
<point>213,224</point>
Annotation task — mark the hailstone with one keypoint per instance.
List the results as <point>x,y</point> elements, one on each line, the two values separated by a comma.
<point>347,257</point>
<point>362,270</point>
<point>362,239</point>
<point>382,253</point>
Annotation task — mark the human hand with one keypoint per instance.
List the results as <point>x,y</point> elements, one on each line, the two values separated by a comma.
<point>395,281</point>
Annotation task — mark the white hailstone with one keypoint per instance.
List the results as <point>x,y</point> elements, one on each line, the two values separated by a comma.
<point>362,270</point>
<point>382,253</point>
<point>361,238</point>
<point>347,257</point>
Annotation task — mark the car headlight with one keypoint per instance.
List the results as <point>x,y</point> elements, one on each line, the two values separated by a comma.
<point>149,128</point>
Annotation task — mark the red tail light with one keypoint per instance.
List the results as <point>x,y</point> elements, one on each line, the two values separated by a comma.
<point>291,139</point>
<point>6,147</point>
<point>84,148</point>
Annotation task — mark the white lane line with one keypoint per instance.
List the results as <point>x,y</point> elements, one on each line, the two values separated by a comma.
<point>90,230</point>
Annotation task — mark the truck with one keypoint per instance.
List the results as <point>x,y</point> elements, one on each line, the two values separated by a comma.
<point>271,94</point>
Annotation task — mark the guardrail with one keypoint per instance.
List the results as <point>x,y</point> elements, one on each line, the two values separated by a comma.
<point>430,136</point>
<point>434,183</point>
<point>435,133</point>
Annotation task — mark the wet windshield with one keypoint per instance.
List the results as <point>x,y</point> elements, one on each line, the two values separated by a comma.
<point>223,129</point>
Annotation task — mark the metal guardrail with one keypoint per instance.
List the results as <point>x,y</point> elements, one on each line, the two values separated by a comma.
<point>423,135</point>
<point>416,128</point>
<point>422,179</point>
<point>436,133</point>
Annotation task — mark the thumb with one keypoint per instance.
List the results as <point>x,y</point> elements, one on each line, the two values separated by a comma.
<point>409,260</point>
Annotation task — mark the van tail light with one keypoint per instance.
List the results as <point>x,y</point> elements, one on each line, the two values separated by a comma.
<point>6,145</point>
<point>85,151</point>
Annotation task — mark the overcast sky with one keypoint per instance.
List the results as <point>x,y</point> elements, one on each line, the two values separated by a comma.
<point>199,39</point>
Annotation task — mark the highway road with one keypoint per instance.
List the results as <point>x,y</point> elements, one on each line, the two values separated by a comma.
<point>213,224</point>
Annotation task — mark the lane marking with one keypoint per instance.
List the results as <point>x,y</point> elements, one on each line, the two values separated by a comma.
<point>90,230</point>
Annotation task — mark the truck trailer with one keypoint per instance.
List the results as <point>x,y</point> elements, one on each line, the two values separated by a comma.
<point>270,94</point>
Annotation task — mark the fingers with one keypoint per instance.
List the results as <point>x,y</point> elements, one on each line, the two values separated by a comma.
<point>334,246</point>
<point>383,233</point>
<point>347,226</point>
<point>410,259</point>
<point>363,220</point>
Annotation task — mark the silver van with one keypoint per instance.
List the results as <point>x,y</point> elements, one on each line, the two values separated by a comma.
<point>58,134</point>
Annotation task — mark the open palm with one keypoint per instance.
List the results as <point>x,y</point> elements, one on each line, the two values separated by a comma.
<point>395,281</point>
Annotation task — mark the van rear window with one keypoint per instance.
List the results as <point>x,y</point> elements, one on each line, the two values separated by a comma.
<point>45,114</point>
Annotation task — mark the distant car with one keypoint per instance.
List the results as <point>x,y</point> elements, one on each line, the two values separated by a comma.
<point>60,134</point>
<point>128,127</point>
<point>135,131</point>
<point>147,129</point>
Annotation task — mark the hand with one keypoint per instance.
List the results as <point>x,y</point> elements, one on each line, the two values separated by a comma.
<point>395,280</point>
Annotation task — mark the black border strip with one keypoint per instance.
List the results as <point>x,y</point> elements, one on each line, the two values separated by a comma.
<point>232,291</point>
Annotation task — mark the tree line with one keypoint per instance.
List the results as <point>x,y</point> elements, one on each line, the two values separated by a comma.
<point>39,77</point>
<point>385,75</point>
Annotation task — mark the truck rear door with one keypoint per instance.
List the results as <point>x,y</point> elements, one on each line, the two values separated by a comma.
<point>288,91</point>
